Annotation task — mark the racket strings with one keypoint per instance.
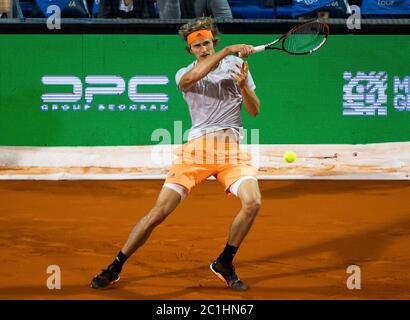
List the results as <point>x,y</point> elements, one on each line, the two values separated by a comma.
<point>306,38</point>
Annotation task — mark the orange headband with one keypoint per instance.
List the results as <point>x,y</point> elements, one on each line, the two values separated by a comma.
<point>199,35</point>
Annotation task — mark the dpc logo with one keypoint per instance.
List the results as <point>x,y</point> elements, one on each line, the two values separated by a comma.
<point>109,85</point>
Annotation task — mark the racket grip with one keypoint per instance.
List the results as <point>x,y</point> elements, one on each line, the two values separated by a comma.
<point>258,49</point>
<point>255,50</point>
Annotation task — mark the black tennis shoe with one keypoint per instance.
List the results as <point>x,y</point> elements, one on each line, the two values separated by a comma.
<point>226,272</point>
<point>105,278</point>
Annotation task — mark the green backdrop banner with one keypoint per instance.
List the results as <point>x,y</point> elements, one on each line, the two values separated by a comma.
<point>108,90</point>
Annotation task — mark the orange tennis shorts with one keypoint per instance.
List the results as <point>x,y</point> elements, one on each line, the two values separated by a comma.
<point>204,157</point>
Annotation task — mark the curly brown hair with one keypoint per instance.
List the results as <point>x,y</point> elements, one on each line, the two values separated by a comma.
<point>203,23</point>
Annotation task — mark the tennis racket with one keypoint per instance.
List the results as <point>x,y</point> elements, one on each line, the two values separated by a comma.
<point>301,40</point>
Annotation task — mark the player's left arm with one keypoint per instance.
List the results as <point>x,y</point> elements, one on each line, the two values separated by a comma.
<point>250,99</point>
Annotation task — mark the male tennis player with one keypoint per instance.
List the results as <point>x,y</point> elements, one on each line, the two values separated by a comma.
<point>214,87</point>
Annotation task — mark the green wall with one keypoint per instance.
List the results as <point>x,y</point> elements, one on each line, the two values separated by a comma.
<point>301,97</point>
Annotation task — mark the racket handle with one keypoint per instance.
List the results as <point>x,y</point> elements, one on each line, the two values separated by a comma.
<point>255,50</point>
<point>259,49</point>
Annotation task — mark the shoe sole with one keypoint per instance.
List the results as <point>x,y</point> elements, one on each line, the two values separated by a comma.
<point>218,275</point>
<point>109,284</point>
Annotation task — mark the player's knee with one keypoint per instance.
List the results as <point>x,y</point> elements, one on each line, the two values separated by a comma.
<point>157,215</point>
<point>251,206</point>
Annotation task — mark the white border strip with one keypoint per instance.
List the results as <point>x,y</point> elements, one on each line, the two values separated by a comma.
<point>316,162</point>
<point>64,176</point>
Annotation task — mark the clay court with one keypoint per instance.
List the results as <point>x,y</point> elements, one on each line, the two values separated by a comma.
<point>306,235</point>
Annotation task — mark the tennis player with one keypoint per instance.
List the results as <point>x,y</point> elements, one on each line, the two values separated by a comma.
<point>214,87</point>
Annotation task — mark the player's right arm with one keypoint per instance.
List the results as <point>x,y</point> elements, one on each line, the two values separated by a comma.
<point>202,68</point>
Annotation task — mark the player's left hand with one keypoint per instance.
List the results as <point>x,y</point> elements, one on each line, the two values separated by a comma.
<point>241,74</point>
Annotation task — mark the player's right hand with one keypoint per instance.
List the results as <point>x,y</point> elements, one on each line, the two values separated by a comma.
<point>241,50</point>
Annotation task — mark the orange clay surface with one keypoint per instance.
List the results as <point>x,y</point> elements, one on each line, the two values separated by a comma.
<point>306,235</point>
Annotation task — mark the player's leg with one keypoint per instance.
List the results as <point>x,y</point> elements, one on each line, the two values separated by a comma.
<point>250,196</point>
<point>247,190</point>
<point>168,199</point>
<point>200,8</point>
<point>220,9</point>
<point>169,9</point>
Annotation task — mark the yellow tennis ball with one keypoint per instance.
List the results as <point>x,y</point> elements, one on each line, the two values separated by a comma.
<point>290,156</point>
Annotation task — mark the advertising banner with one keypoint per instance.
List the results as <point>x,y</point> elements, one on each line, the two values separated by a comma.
<point>116,90</point>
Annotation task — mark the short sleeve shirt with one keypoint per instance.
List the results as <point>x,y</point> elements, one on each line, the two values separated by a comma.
<point>215,101</point>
